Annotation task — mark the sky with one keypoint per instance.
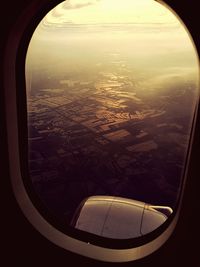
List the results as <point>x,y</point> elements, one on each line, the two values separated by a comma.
<point>108,11</point>
<point>145,31</point>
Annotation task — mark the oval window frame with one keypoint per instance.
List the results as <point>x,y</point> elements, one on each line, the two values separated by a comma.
<point>14,80</point>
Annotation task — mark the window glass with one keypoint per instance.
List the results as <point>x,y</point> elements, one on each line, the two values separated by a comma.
<point>112,88</point>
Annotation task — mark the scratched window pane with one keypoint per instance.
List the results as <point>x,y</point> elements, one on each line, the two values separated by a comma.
<point>112,88</point>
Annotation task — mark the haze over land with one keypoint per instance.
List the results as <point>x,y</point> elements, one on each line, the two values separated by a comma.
<point>80,33</point>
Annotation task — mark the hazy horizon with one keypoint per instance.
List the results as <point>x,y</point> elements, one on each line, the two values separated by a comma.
<point>142,34</point>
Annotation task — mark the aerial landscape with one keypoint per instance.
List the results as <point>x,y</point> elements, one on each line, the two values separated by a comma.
<point>109,112</point>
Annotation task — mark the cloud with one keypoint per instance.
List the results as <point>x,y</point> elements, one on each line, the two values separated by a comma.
<point>56,13</point>
<point>68,5</point>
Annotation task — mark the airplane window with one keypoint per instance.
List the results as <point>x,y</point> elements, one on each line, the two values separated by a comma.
<point>112,89</point>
